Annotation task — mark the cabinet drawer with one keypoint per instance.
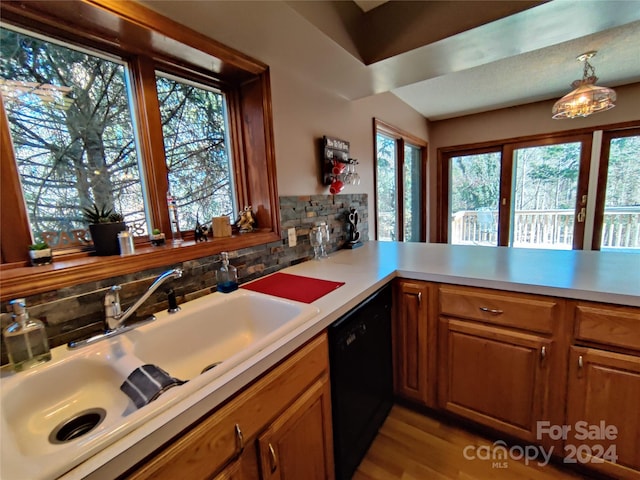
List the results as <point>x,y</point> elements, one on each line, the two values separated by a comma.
<point>205,449</point>
<point>608,324</point>
<point>527,312</point>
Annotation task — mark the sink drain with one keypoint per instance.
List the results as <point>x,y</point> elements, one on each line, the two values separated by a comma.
<point>77,426</point>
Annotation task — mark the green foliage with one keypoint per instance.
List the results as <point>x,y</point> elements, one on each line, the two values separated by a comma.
<point>156,231</point>
<point>623,178</point>
<point>95,215</point>
<point>475,182</point>
<point>40,245</point>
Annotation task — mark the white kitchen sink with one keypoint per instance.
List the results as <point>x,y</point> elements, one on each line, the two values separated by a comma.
<point>48,398</point>
<point>60,413</point>
<point>203,336</point>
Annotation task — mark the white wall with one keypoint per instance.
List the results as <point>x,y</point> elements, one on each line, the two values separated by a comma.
<point>303,114</point>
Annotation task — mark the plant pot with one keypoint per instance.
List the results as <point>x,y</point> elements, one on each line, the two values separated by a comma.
<point>157,239</point>
<point>105,237</point>
<point>40,257</point>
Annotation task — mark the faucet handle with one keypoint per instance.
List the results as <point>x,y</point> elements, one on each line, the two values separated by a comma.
<point>112,302</point>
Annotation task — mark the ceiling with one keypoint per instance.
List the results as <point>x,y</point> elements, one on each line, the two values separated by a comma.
<point>443,58</point>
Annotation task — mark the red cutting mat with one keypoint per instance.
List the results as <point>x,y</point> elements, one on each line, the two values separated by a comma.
<point>293,287</point>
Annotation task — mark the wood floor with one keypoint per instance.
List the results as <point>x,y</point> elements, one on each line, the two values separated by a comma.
<point>411,446</point>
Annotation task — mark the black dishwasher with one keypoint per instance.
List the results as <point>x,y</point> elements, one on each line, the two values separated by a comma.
<point>361,378</point>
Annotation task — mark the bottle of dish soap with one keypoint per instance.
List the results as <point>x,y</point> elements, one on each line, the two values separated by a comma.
<point>227,275</point>
<point>26,339</point>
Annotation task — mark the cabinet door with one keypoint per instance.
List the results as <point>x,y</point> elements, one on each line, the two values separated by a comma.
<point>604,395</point>
<point>494,376</point>
<point>410,341</point>
<point>299,444</point>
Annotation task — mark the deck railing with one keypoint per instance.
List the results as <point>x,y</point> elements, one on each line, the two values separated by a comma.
<point>546,228</point>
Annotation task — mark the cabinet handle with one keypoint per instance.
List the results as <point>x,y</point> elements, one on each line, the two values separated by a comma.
<point>272,458</point>
<point>543,353</point>
<point>419,297</point>
<point>580,363</point>
<point>239,440</point>
<point>491,310</point>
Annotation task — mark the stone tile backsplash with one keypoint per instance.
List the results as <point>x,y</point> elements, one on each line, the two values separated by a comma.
<point>77,312</point>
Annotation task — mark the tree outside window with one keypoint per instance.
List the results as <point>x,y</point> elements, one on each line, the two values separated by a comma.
<point>72,132</point>
<point>75,145</point>
<point>195,140</point>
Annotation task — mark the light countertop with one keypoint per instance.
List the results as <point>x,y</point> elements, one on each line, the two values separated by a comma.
<point>608,277</point>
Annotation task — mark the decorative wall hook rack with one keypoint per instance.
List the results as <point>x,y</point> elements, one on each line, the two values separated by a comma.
<point>338,169</point>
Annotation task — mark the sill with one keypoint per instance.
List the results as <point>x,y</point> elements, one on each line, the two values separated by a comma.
<point>25,281</point>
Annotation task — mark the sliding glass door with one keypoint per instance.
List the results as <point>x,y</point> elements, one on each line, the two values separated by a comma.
<point>531,194</point>
<point>544,196</point>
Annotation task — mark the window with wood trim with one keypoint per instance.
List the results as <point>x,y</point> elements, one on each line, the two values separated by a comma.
<point>617,209</point>
<point>109,102</point>
<point>534,193</point>
<point>400,184</point>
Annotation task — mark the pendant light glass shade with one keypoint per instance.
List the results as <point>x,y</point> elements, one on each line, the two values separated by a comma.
<point>587,98</point>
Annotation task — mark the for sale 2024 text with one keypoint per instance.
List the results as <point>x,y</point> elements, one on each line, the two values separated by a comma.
<point>582,431</point>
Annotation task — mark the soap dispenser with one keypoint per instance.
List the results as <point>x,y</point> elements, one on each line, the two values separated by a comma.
<point>26,338</point>
<point>227,275</point>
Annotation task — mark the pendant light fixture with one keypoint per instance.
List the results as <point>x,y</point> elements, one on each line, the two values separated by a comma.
<point>587,97</point>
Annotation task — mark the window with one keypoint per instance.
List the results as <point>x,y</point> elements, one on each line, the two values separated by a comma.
<point>194,127</point>
<point>86,119</point>
<point>73,137</point>
<point>544,195</point>
<point>413,193</point>
<point>618,203</point>
<point>475,197</point>
<point>400,178</point>
<point>535,193</point>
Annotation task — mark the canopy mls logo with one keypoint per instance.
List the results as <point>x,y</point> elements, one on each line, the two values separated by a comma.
<point>499,454</point>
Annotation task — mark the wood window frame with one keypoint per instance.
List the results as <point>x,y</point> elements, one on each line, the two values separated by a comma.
<point>148,42</point>
<point>402,138</point>
<point>506,146</point>
<point>603,173</point>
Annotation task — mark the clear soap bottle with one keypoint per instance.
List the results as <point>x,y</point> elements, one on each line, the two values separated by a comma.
<point>25,339</point>
<point>226,275</point>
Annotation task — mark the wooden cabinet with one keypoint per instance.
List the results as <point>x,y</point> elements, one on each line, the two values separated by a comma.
<point>292,398</point>
<point>494,376</point>
<point>499,362</point>
<point>603,411</point>
<point>414,349</point>
<point>604,389</point>
<point>510,360</point>
<point>298,444</point>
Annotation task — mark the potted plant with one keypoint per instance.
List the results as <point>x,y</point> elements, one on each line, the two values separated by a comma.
<point>40,253</point>
<point>157,237</point>
<point>104,225</point>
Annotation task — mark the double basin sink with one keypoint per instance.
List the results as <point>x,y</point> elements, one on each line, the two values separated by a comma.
<point>58,414</point>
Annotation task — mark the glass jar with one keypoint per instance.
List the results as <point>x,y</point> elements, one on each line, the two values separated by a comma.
<point>125,240</point>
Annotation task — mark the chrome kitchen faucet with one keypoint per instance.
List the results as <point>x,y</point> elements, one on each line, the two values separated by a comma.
<point>115,317</point>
